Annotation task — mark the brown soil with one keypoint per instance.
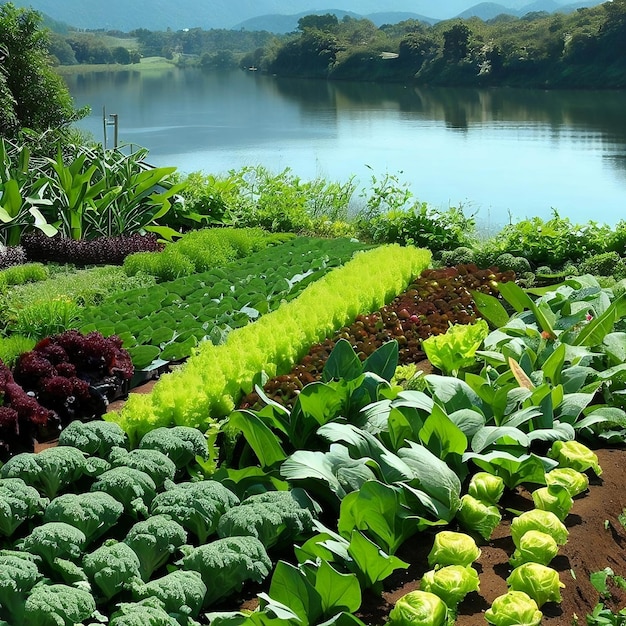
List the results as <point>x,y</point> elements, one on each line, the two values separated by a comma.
<point>597,540</point>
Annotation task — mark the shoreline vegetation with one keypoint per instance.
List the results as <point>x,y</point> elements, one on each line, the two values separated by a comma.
<point>584,49</point>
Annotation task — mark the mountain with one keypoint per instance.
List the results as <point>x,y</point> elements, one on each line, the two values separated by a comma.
<point>486,11</point>
<point>162,14</point>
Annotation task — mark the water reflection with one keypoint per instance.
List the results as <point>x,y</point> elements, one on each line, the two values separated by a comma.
<point>503,150</point>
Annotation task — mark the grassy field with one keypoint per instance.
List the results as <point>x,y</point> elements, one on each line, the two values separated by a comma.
<point>146,64</point>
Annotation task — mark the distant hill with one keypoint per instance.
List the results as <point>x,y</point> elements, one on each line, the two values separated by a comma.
<point>125,15</point>
<point>395,17</point>
<point>486,11</point>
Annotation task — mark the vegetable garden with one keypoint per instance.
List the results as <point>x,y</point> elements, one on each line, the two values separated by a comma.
<point>337,431</point>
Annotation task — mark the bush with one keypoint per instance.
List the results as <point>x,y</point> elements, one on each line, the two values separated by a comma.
<point>606,264</point>
<point>420,226</point>
<point>105,250</point>
<point>517,264</point>
<point>13,255</point>
<point>459,256</point>
<point>21,274</point>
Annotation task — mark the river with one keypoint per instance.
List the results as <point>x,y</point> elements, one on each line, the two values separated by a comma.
<point>501,154</point>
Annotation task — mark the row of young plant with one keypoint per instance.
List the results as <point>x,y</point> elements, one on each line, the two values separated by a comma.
<point>213,380</point>
<point>167,321</point>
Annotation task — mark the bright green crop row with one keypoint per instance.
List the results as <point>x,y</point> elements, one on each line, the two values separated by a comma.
<point>208,386</point>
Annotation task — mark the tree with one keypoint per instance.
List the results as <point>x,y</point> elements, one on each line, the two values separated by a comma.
<point>326,22</point>
<point>31,94</point>
<point>456,42</point>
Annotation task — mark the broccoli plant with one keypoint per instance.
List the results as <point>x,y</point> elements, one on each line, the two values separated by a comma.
<point>148,612</point>
<point>271,517</point>
<point>94,513</point>
<point>197,506</point>
<point>182,592</point>
<point>18,502</point>
<point>154,541</point>
<point>180,443</point>
<point>48,471</point>
<point>58,605</point>
<point>94,438</point>
<point>153,462</point>
<point>225,564</point>
<point>53,541</point>
<point>111,567</point>
<point>18,575</point>
<point>132,487</point>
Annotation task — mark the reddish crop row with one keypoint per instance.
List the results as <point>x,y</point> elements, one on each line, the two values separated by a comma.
<point>436,299</point>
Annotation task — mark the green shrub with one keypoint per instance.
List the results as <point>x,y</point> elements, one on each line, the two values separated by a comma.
<point>21,274</point>
<point>421,226</point>
<point>44,318</point>
<point>605,264</point>
<point>518,264</point>
<point>459,256</point>
<point>12,347</point>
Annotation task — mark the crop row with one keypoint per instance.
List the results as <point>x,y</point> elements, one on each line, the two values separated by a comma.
<point>168,320</point>
<point>212,381</point>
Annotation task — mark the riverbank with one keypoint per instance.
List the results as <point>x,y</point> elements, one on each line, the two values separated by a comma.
<point>146,64</point>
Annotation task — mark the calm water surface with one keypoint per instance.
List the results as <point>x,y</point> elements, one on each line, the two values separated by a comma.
<point>501,153</point>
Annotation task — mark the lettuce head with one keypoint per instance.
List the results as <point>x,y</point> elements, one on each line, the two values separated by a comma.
<point>514,608</point>
<point>536,519</point>
<point>476,516</point>
<point>575,455</point>
<point>486,487</point>
<point>554,498</point>
<point>534,547</point>
<point>538,581</point>
<point>419,608</point>
<point>452,548</point>
<point>574,481</point>
<point>451,583</point>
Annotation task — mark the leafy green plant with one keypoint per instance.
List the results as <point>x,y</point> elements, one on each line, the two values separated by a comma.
<point>419,608</point>
<point>45,318</point>
<point>514,607</point>
<point>456,348</point>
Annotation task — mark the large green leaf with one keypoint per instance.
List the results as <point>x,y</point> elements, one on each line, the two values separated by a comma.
<point>377,509</point>
<point>433,477</point>
<point>342,363</point>
<point>336,469</point>
<point>491,309</point>
<point>442,436</point>
<point>383,361</point>
<point>598,328</point>
<point>259,437</point>
<point>338,592</point>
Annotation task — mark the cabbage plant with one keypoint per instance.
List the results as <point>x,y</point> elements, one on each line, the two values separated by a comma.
<point>536,547</point>
<point>574,481</point>
<point>514,608</point>
<point>452,548</point>
<point>554,498</point>
<point>477,516</point>
<point>540,582</point>
<point>536,519</point>
<point>575,455</point>
<point>419,608</point>
<point>451,583</point>
<point>486,487</point>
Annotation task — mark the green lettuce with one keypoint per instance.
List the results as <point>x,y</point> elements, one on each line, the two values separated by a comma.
<point>554,498</point>
<point>419,608</point>
<point>575,455</point>
<point>452,548</point>
<point>486,487</point>
<point>540,582</point>
<point>574,481</point>
<point>514,608</point>
<point>451,583</point>
<point>477,516</point>
<point>536,519</point>
<point>536,547</point>
<point>455,349</point>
